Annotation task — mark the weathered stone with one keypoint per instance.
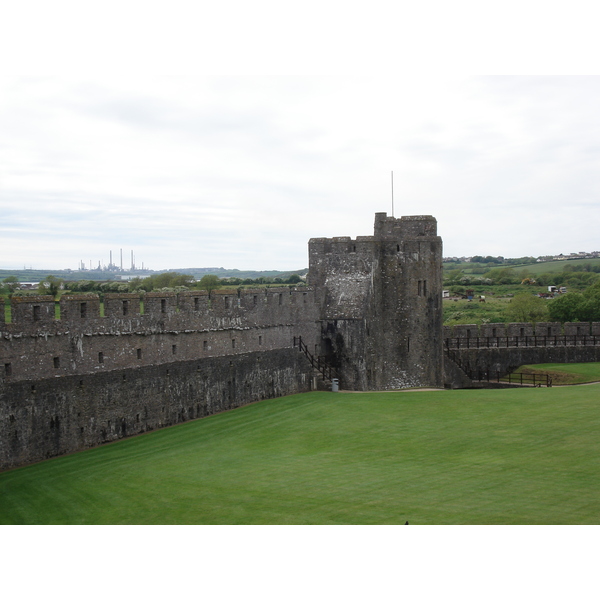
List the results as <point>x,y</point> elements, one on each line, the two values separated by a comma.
<point>380,304</point>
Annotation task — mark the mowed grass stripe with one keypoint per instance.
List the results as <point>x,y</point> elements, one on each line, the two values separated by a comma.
<point>462,456</point>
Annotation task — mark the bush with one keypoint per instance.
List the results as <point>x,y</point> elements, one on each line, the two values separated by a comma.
<point>526,308</point>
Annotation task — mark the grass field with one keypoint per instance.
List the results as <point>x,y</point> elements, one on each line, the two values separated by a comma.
<point>463,456</point>
<point>556,266</point>
<point>457,312</point>
<point>565,374</point>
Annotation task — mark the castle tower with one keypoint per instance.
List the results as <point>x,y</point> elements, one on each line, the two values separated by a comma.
<point>380,300</point>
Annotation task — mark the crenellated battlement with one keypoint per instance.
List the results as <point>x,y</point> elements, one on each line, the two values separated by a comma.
<point>35,313</point>
<point>75,336</point>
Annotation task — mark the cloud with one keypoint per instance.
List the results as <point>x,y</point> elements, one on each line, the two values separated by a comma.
<point>242,171</point>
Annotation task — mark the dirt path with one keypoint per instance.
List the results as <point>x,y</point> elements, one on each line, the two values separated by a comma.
<point>390,391</point>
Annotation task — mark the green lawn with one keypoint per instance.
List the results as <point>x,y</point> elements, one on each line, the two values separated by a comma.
<point>564,373</point>
<point>463,456</point>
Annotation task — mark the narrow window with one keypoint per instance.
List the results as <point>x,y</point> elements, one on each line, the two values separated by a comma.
<point>280,299</point>
<point>8,369</point>
<point>226,301</point>
<point>419,287</point>
<point>139,353</point>
<point>125,307</point>
<point>205,345</point>
<point>101,357</point>
<point>36,312</point>
<point>233,343</point>
<point>33,389</point>
<point>408,344</point>
<point>522,331</point>
<point>255,300</point>
<point>260,340</point>
<point>398,248</point>
<point>549,330</point>
<point>174,348</point>
<point>163,306</point>
<point>83,310</point>
<point>494,332</point>
<point>468,333</point>
<point>304,297</point>
<point>196,303</point>
<point>579,331</point>
<point>56,362</point>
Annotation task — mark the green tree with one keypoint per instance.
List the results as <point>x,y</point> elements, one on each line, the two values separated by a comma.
<point>566,308</point>
<point>453,275</point>
<point>503,276</point>
<point>51,285</point>
<point>590,310</point>
<point>577,307</point>
<point>170,279</point>
<point>527,308</point>
<point>12,283</point>
<point>209,283</point>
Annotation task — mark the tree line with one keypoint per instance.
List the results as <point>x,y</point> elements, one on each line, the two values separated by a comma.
<point>170,281</point>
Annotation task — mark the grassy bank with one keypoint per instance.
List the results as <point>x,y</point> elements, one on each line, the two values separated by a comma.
<point>565,374</point>
<point>472,456</point>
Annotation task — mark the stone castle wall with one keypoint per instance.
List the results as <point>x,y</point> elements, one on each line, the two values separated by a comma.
<point>83,379</point>
<point>173,327</point>
<point>500,348</point>
<point>43,418</point>
<point>502,330</point>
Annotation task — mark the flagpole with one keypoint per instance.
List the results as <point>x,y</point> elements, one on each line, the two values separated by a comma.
<point>392,193</point>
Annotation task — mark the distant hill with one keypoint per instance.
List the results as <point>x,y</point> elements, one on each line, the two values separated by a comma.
<point>556,266</point>
<point>535,268</point>
<point>66,274</point>
<point>198,273</point>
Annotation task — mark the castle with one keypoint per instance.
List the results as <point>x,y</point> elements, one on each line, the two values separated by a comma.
<point>72,377</point>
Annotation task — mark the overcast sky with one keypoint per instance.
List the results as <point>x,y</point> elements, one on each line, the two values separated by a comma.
<point>228,134</point>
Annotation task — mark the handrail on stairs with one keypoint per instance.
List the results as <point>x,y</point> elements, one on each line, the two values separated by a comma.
<point>326,370</point>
